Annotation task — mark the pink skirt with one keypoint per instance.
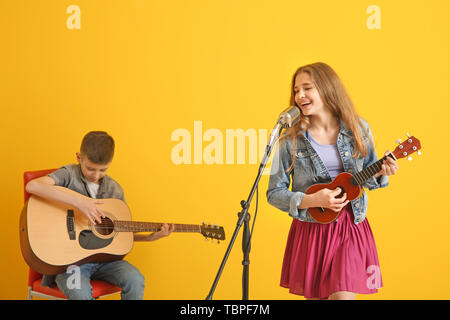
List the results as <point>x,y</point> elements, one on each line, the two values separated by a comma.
<point>321,259</point>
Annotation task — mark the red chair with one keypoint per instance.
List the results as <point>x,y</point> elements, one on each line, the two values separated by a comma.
<point>100,289</point>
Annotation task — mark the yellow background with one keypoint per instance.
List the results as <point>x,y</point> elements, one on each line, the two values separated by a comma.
<point>142,69</point>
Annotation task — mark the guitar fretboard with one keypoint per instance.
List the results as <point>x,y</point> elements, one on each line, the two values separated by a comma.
<point>361,177</point>
<point>135,226</point>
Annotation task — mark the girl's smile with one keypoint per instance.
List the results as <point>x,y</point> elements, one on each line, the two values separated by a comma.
<point>306,94</point>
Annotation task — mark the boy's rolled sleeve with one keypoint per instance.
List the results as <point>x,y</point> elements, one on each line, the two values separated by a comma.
<point>61,176</point>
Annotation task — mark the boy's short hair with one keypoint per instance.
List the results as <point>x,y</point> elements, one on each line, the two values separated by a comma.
<point>98,146</point>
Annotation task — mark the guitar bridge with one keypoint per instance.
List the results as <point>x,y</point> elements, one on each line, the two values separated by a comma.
<point>70,224</point>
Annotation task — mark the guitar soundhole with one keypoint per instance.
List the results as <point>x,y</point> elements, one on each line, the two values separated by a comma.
<point>105,228</point>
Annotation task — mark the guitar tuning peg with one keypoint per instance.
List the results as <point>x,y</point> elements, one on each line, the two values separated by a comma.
<point>419,153</point>
<point>409,158</point>
<point>399,141</point>
<point>407,134</point>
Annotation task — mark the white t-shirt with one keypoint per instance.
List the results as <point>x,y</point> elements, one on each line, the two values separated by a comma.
<point>93,189</point>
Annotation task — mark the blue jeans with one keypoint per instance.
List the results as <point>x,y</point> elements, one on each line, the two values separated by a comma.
<point>76,284</point>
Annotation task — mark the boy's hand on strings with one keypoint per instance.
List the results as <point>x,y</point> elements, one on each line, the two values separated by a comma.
<point>90,209</point>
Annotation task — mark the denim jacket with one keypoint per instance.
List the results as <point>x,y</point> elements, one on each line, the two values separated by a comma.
<point>309,169</point>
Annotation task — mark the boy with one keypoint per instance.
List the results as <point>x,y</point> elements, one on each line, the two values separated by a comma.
<point>89,178</point>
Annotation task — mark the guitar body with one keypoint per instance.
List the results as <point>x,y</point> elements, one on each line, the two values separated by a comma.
<point>54,236</point>
<point>343,181</point>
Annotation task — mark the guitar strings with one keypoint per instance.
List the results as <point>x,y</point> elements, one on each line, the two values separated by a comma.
<point>112,226</point>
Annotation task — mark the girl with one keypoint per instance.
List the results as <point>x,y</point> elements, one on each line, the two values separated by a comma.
<point>336,260</point>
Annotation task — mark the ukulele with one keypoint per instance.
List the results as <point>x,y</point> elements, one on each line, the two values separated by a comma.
<point>352,184</point>
<point>54,235</point>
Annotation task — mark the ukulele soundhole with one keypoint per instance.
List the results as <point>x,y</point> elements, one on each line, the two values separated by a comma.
<point>340,195</point>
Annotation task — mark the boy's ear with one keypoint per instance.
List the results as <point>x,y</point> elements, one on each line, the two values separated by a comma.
<point>78,157</point>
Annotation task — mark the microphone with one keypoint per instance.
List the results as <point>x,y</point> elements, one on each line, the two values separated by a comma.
<point>289,117</point>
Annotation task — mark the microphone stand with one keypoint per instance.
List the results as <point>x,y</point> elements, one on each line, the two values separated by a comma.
<point>244,218</point>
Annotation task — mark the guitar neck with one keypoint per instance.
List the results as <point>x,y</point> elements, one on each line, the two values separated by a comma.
<point>361,177</point>
<point>135,226</point>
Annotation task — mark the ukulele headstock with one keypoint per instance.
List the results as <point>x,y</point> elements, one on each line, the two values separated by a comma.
<point>407,147</point>
<point>212,231</point>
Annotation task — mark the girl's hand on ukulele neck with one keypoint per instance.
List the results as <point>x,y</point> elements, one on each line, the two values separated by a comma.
<point>326,198</point>
<point>389,166</point>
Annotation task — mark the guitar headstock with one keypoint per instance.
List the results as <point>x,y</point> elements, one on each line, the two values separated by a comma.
<point>212,231</point>
<point>407,147</point>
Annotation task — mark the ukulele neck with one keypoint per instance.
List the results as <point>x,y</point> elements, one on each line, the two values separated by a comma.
<point>361,177</point>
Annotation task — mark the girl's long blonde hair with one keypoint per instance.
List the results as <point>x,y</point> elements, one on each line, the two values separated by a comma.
<point>335,98</point>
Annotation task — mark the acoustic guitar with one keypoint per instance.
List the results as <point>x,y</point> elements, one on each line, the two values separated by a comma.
<point>54,236</point>
<point>352,184</point>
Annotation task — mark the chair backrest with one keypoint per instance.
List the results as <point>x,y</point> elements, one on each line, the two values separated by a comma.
<point>30,175</point>
<point>27,177</point>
